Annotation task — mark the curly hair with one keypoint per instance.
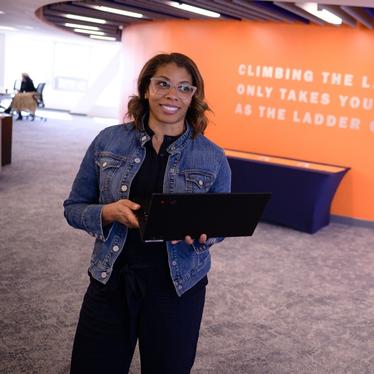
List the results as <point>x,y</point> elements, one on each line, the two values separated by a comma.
<point>138,105</point>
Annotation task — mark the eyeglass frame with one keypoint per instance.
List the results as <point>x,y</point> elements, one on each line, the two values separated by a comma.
<point>184,96</point>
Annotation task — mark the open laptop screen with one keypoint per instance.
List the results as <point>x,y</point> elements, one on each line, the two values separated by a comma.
<point>172,216</point>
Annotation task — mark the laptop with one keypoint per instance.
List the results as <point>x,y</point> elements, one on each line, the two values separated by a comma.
<point>172,216</point>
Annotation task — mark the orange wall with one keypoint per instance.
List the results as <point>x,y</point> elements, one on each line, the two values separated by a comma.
<point>326,117</point>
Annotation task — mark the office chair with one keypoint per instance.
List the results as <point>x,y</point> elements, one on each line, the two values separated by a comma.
<point>38,97</point>
<point>17,85</point>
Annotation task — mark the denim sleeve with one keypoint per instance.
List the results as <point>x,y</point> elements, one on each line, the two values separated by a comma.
<point>82,209</point>
<point>221,184</point>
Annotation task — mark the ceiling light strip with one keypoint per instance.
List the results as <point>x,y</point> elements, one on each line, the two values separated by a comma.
<point>194,9</point>
<point>121,12</point>
<point>347,19</point>
<point>89,32</point>
<point>102,37</point>
<point>87,19</point>
<point>227,10</point>
<point>321,13</point>
<point>79,26</point>
<point>300,12</point>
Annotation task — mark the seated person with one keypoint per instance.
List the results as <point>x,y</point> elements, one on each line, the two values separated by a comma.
<point>24,99</point>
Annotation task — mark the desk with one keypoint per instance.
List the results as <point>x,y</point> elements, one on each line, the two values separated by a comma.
<point>5,96</point>
<point>6,124</point>
<point>302,192</point>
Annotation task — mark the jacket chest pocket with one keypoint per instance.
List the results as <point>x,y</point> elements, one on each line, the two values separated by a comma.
<point>197,181</point>
<point>109,166</point>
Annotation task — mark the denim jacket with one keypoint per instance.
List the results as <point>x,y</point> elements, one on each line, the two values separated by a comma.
<point>105,175</point>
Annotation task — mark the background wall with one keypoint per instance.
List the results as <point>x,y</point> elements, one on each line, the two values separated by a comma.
<point>295,91</point>
<point>82,76</point>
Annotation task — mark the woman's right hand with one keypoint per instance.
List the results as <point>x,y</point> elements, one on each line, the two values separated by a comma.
<point>120,211</point>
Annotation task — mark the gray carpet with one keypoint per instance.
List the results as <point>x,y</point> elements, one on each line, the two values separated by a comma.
<point>279,302</point>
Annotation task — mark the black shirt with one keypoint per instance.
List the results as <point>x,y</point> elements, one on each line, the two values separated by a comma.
<point>27,85</point>
<point>149,179</point>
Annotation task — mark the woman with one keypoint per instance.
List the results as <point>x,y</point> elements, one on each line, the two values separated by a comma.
<point>150,292</point>
<point>24,99</point>
<point>27,85</point>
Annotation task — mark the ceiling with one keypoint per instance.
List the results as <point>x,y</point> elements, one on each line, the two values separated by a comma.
<point>37,15</point>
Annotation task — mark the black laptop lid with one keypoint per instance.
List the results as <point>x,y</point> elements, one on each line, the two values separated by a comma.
<point>173,216</point>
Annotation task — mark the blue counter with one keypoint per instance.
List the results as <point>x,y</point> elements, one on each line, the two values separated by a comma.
<point>302,192</point>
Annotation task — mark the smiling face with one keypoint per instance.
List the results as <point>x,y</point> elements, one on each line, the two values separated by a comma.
<point>168,106</point>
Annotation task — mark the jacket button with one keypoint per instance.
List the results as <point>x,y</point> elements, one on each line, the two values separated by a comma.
<point>105,164</point>
<point>137,160</point>
<point>201,182</point>
<point>174,263</point>
<point>180,287</point>
<point>115,248</point>
<point>143,138</point>
<point>104,274</point>
<point>124,188</point>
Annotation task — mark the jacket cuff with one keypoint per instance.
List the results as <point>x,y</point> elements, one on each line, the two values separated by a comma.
<point>92,222</point>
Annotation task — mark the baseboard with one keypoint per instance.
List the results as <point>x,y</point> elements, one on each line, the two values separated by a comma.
<point>54,110</point>
<point>352,221</point>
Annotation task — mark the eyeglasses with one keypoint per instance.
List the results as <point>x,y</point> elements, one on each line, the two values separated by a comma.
<point>161,86</point>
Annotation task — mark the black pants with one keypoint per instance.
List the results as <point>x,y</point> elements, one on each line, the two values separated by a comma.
<point>138,303</point>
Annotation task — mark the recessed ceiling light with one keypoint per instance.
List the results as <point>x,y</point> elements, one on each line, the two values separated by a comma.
<point>323,14</point>
<point>194,9</point>
<point>88,19</point>
<point>89,32</point>
<point>102,37</point>
<point>118,11</point>
<point>7,28</point>
<point>76,25</point>
<point>1,12</point>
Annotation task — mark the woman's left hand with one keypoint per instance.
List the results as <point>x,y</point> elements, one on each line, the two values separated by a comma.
<point>188,240</point>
